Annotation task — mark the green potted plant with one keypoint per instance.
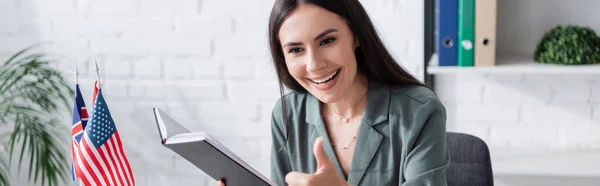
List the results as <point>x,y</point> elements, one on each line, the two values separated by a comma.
<point>32,94</point>
<point>569,45</point>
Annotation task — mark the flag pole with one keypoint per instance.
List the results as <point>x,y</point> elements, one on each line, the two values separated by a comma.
<point>97,73</point>
<point>76,74</point>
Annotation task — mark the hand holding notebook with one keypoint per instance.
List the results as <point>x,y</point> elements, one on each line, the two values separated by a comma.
<point>206,153</point>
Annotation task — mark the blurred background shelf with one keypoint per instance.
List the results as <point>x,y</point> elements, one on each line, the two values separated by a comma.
<point>513,65</point>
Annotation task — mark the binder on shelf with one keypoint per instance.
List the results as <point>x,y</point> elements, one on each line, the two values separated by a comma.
<point>485,32</point>
<point>447,32</point>
<point>466,32</point>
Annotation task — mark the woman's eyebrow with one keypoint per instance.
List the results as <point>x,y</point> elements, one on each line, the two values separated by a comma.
<point>322,34</point>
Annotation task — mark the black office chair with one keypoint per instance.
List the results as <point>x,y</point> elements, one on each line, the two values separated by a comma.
<point>470,161</point>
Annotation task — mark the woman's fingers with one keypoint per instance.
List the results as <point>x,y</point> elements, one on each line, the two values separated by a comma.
<point>298,178</point>
<point>220,183</point>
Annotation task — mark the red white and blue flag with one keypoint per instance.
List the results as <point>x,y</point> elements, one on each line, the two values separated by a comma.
<point>80,119</point>
<point>101,158</point>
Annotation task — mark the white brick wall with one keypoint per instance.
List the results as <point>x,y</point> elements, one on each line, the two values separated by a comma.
<point>524,110</point>
<point>206,62</point>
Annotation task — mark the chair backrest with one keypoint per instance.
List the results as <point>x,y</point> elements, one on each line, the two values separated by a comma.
<point>470,160</point>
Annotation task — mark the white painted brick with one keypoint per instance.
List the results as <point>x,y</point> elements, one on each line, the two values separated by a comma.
<point>595,91</point>
<point>198,89</point>
<point>150,90</point>
<point>231,49</point>
<point>112,7</point>
<point>179,68</point>
<point>148,26</point>
<point>214,27</point>
<point>153,7</point>
<point>187,7</point>
<point>581,78</point>
<point>479,78</point>
<point>116,89</point>
<point>148,68</point>
<point>118,68</point>
<point>78,26</point>
<point>497,93</point>
<point>241,91</point>
<point>556,115</point>
<point>55,7</point>
<point>571,93</point>
<point>214,8</point>
<point>66,63</point>
<point>16,43</point>
<point>9,25</point>
<point>498,113</point>
<point>172,45</point>
<point>8,8</point>
<point>107,26</point>
<point>66,45</point>
<point>265,70</point>
<point>246,128</point>
<point>208,69</point>
<point>266,108</point>
<point>524,136</point>
<point>506,78</point>
<point>544,78</point>
<point>223,109</point>
<point>242,70</point>
<point>461,92</point>
<point>582,134</point>
<point>596,115</point>
<point>251,26</point>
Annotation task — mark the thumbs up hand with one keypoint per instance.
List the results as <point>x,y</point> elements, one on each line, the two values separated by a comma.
<point>326,174</point>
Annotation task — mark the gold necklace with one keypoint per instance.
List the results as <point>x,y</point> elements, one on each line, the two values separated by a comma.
<point>346,120</point>
<point>343,118</point>
<point>349,143</point>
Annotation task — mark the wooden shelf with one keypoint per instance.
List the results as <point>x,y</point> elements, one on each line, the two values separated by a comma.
<point>512,65</point>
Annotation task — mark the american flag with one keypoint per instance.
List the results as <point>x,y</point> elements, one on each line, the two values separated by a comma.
<point>95,92</point>
<point>80,119</point>
<point>101,157</point>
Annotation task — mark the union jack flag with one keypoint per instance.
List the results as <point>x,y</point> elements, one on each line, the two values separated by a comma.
<point>80,119</point>
<point>101,158</point>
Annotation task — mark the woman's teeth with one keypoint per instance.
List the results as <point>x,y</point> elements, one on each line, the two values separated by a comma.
<point>326,79</point>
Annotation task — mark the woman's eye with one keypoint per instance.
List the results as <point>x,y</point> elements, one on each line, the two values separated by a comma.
<point>327,41</point>
<point>295,50</point>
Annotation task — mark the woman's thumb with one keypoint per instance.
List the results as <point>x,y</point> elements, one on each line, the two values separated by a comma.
<point>322,158</point>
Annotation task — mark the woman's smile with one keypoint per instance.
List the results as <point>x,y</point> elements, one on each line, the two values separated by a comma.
<point>325,82</point>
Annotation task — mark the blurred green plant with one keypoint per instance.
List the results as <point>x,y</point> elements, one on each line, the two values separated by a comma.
<point>31,93</point>
<point>569,45</point>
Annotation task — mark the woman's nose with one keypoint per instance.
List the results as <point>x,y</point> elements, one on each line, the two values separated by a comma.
<point>314,62</point>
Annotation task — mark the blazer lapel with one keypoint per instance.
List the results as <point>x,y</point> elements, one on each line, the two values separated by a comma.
<point>369,139</point>
<point>313,116</point>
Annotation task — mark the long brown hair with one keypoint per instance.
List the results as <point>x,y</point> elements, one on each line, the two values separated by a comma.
<point>373,59</point>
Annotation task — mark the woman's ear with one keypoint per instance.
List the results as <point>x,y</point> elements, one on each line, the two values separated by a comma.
<point>356,43</point>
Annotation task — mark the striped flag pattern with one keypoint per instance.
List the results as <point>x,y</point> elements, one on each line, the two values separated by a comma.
<point>80,119</point>
<point>101,158</point>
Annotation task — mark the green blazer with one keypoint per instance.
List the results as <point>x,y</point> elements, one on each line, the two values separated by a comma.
<point>401,138</point>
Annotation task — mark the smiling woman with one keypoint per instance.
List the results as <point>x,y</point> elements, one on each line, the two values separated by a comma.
<point>348,93</point>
